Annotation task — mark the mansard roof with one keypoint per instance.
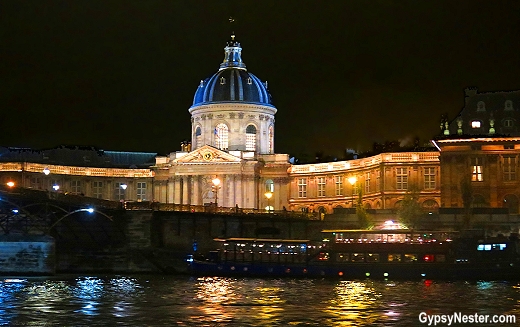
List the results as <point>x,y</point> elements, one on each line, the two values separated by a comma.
<point>80,156</point>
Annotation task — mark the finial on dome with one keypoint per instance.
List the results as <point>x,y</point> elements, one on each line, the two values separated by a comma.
<point>232,51</point>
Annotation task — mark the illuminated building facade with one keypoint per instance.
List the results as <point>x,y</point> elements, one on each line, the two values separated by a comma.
<point>231,160</point>
<point>482,146</point>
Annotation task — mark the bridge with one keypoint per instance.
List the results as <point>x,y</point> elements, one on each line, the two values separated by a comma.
<point>82,234</point>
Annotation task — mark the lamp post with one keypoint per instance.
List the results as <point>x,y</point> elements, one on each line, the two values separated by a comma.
<point>352,180</point>
<point>216,186</point>
<point>268,195</point>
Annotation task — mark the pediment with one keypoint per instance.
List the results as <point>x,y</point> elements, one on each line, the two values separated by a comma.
<point>207,154</point>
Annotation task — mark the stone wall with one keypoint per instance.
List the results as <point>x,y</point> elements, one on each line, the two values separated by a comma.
<point>27,255</point>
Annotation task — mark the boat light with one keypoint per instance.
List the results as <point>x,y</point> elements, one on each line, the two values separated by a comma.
<point>385,274</point>
<point>367,274</point>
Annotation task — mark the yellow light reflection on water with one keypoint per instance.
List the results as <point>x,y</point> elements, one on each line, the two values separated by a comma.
<point>268,304</point>
<point>351,302</point>
<point>214,293</point>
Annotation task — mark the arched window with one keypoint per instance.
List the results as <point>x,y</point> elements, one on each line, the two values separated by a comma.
<point>198,137</point>
<point>269,185</point>
<point>322,211</point>
<point>479,201</point>
<point>508,105</point>
<point>430,205</point>
<point>481,106</point>
<point>221,136</point>
<point>367,205</point>
<point>250,138</point>
<point>511,202</point>
<point>271,139</point>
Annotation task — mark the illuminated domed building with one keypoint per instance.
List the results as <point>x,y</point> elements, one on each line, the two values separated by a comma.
<point>231,159</point>
<point>232,140</point>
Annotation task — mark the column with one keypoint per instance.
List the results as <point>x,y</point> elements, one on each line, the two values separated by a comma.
<point>232,195</point>
<point>185,189</point>
<point>240,193</point>
<point>169,190</point>
<point>195,194</point>
<point>177,190</point>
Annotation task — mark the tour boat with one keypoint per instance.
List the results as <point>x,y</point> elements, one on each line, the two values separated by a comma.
<point>353,254</point>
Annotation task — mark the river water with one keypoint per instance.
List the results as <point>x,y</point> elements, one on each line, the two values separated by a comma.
<point>164,300</point>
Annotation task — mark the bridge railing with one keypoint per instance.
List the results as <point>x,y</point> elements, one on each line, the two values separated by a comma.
<point>156,206</point>
<point>35,195</point>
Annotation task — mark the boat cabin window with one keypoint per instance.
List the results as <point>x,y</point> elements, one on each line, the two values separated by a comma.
<point>440,258</point>
<point>394,257</point>
<point>492,247</point>
<point>373,257</point>
<point>410,257</point>
<point>357,257</point>
<point>342,257</point>
<point>323,256</point>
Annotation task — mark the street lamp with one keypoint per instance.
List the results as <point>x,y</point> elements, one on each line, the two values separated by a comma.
<point>10,184</point>
<point>216,186</point>
<point>46,171</point>
<point>352,180</point>
<point>268,195</point>
<point>123,192</point>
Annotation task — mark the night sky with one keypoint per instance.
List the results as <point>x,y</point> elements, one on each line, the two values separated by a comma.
<point>121,75</point>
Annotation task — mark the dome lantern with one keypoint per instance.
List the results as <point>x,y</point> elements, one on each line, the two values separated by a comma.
<point>232,55</point>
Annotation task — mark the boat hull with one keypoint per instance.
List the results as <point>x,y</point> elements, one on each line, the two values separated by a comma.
<point>466,271</point>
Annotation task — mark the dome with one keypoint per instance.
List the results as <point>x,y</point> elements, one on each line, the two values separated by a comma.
<point>232,83</point>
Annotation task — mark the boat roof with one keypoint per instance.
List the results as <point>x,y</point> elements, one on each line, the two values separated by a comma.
<point>386,231</point>
<point>274,240</point>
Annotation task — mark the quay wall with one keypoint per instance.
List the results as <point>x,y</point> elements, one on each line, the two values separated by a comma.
<point>27,255</point>
<point>159,241</point>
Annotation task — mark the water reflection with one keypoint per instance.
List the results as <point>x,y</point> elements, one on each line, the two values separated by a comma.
<point>350,303</point>
<point>230,302</point>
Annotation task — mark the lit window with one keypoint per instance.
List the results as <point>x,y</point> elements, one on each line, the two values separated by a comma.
<point>250,138</point>
<point>302,187</point>
<point>119,191</point>
<point>475,124</point>
<point>141,191</point>
<point>429,178</point>
<point>476,170</point>
<point>321,186</point>
<point>367,182</point>
<point>410,257</point>
<point>221,136</point>
<point>97,189</point>
<point>357,257</point>
<point>269,185</point>
<point>198,137</point>
<point>509,168</point>
<point>75,187</point>
<point>339,185</point>
<point>222,81</point>
<point>402,178</point>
